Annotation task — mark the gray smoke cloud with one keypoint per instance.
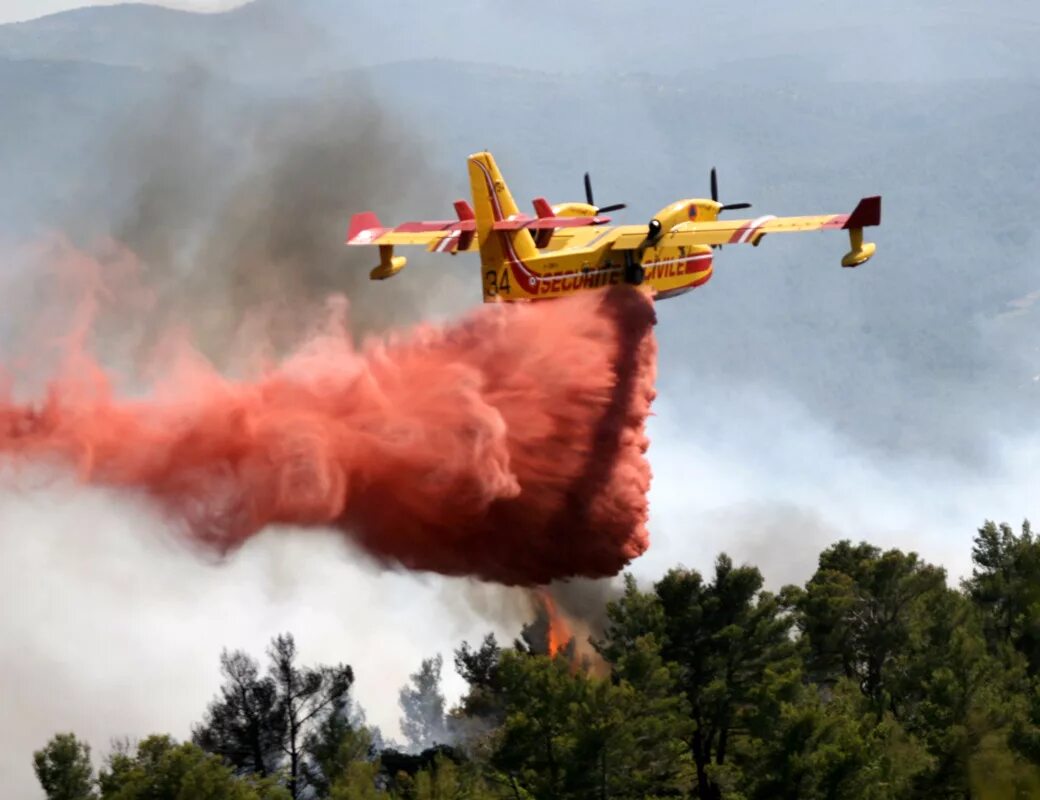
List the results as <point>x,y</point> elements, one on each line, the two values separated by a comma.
<point>238,203</point>
<point>583,602</point>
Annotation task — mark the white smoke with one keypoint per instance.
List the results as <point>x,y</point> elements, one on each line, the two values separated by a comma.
<point>759,477</point>
<point>113,628</point>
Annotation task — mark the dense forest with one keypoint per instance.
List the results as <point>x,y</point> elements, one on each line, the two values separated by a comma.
<point>876,679</point>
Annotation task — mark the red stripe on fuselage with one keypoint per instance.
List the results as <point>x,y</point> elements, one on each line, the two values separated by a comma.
<point>563,282</point>
<point>675,267</point>
<point>521,273</point>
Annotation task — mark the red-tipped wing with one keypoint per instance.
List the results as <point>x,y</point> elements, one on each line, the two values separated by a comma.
<point>750,231</point>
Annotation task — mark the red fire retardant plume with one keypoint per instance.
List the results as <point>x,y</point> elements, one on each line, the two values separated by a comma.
<point>508,446</point>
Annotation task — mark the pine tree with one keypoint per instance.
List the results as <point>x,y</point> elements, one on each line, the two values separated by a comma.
<point>262,724</point>
<point>1005,585</point>
<point>162,769</point>
<point>64,770</point>
<point>570,735</point>
<point>724,638</point>
<point>422,702</point>
<point>243,724</point>
<point>858,613</point>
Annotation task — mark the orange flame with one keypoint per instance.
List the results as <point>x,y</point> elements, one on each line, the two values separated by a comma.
<point>559,633</point>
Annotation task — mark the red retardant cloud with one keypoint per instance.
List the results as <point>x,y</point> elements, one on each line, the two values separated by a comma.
<point>508,446</point>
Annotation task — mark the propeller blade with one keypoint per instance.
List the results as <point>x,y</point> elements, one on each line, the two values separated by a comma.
<point>591,202</point>
<point>714,185</point>
<point>734,206</point>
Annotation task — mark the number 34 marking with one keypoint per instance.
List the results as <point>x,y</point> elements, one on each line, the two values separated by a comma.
<point>496,283</point>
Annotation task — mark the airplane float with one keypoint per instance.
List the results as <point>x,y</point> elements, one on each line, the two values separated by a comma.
<point>567,248</point>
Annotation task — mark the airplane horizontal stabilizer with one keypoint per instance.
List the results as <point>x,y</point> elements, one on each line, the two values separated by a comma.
<point>365,228</point>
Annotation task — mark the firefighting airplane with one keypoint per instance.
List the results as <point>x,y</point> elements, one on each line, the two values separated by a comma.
<point>564,249</point>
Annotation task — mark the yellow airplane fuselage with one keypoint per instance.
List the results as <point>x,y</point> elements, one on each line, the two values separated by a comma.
<point>574,261</point>
<point>566,249</point>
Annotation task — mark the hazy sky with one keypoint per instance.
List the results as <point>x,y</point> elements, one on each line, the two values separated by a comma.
<point>20,10</point>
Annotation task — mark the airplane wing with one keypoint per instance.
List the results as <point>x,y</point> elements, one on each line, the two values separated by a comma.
<point>547,223</point>
<point>450,235</point>
<point>441,236</point>
<point>750,231</point>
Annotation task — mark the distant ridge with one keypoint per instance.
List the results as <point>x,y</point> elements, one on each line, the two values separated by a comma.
<point>788,41</point>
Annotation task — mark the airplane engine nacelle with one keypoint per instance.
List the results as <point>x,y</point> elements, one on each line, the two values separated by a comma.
<point>690,210</point>
<point>574,210</point>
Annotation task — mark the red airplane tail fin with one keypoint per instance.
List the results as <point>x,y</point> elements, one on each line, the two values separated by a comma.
<point>543,210</point>
<point>465,213</point>
<point>464,210</point>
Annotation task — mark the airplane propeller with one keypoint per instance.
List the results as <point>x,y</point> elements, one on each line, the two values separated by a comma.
<point>604,209</point>
<point>715,194</point>
<point>654,228</point>
<point>726,206</point>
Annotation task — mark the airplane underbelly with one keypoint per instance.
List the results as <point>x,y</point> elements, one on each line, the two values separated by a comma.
<point>678,274</point>
<point>663,274</point>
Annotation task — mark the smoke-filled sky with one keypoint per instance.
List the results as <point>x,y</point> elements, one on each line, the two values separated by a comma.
<point>799,403</point>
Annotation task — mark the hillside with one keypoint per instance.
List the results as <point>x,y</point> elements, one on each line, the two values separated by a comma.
<point>886,41</point>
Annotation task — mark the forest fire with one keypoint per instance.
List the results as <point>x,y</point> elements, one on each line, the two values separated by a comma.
<point>558,632</point>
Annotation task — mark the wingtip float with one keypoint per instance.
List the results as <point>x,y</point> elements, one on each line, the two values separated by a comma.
<point>568,248</point>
